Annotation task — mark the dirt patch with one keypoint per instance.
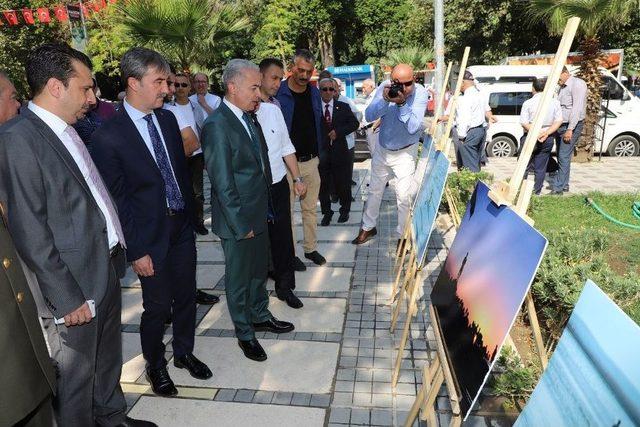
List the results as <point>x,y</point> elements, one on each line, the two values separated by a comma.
<point>522,336</point>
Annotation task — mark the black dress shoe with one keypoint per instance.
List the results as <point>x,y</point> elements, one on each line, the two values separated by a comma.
<point>353,182</point>
<point>334,198</point>
<point>196,368</point>
<point>253,350</point>
<point>161,383</point>
<point>344,217</point>
<point>168,320</point>
<point>315,257</point>
<point>291,300</point>
<point>274,325</point>
<point>205,298</point>
<point>130,422</point>
<point>298,265</point>
<point>364,236</point>
<point>326,220</point>
<point>201,230</point>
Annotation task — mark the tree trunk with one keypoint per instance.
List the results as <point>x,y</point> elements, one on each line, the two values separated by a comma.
<point>590,47</point>
<point>325,42</point>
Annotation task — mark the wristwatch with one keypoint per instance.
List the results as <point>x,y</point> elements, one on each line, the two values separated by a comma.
<point>298,179</point>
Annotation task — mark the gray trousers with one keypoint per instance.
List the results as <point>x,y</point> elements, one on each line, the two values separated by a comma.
<point>88,361</point>
<point>468,152</point>
<point>564,151</point>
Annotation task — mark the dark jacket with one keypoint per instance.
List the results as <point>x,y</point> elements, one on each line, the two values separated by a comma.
<point>27,372</point>
<point>239,188</point>
<point>134,179</point>
<point>343,122</point>
<point>287,104</point>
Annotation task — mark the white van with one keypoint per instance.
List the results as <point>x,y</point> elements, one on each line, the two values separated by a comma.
<point>508,86</point>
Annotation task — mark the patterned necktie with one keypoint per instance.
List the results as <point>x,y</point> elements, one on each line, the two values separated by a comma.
<point>254,136</point>
<point>258,139</point>
<point>327,117</point>
<point>96,180</point>
<point>174,197</point>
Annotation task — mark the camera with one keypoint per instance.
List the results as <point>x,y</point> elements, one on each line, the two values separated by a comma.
<point>395,89</point>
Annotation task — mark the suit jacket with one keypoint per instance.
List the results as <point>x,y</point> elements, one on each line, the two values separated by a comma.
<point>239,188</point>
<point>343,122</point>
<point>57,227</point>
<point>135,181</point>
<point>26,370</point>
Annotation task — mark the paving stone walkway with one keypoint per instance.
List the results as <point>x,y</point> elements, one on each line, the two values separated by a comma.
<point>335,368</point>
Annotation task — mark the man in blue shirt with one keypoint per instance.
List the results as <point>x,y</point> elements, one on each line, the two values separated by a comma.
<point>401,125</point>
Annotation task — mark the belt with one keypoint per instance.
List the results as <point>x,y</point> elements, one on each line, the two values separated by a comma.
<point>115,251</point>
<point>306,157</point>
<point>172,212</point>
<point>398,149</point>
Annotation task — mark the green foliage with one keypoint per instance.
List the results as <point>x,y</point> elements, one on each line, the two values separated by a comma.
<point>461,185</point>
<point>415,56</point>
<point>515,381</point>
<point>187,32</point>
<point>276,36</point>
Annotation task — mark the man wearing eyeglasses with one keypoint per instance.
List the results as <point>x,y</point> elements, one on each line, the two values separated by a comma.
<point>401,117</point>
<point>205,101</point>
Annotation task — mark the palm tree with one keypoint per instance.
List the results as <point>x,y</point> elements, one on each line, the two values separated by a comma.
<point>415,56</point>
<point>187,32</point>
<point>595,16</point>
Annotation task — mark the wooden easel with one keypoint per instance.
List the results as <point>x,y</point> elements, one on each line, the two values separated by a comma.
<point>413,275</point>
<point>502,193</point>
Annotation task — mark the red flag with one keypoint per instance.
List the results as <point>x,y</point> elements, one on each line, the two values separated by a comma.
<point>27,14</point>
<point>11,17</point>
<point>61,13</point>
<point>43,15</point>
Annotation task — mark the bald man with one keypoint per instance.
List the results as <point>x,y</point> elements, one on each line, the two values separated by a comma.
<point>401,117</point>
<point>9,104</point>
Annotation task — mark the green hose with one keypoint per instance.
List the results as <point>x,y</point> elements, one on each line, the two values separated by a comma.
<point>635,208</point>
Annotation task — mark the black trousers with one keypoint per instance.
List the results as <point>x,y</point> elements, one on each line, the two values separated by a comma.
<point>196,171</point>
<point>88,362</point>
<point>538,161</point>
<point>281,239</point>
<point>336,166</point>
<point>170,291</point>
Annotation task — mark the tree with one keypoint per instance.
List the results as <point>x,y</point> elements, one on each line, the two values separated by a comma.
<point>413,55</point>
<point>187,32</point>
<point>595,17</point>
<point>277,34</point>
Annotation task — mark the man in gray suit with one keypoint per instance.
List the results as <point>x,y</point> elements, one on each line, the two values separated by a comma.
<point>66,230</point>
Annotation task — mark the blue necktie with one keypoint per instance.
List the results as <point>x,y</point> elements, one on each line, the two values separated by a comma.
<point>174,197</point>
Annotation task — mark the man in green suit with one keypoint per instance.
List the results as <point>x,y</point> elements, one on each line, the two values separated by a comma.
<point>28,377</point>
<point>238,165</point>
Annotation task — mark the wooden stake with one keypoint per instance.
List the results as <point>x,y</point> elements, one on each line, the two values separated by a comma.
<point>439,105</point>
<point>408,279</point>
<point>413,292</point>
<point>543,106</point>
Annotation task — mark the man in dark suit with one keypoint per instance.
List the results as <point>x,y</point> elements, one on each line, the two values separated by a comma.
<point>238,166</point>
<point>26,371</point>
<point>140,155</point>
<point>66,230</point>
<point>335,157</point>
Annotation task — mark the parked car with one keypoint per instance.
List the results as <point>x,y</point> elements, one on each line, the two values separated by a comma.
<point>507,87</point>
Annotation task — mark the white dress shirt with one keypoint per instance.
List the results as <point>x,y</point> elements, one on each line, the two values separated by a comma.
<point>212,100</point>
<point>470,112</point>
<point>276,135</point>
<point>529,107</point>
<point>138,118</point>
<point>186,117</point>
<point>59,126</point>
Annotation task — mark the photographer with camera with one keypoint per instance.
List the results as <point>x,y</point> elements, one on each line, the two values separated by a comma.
<point>400,104</point>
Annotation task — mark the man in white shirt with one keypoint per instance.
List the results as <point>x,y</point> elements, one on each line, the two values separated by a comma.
<point>371,129</point>
<point>205,101</point>
<point>470,120</point>
<point>546,138</point>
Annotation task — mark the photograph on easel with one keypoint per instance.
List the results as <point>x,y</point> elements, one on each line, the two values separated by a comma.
<point>593,377</point>
<point>428,201</point>
<point>480,290</point>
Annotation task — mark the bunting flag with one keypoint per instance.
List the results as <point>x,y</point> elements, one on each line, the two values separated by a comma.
<point>85,11</point>
<point>61,13</point>
<point>43,15</point>
<point>11,17</point>
<point>27,14</point>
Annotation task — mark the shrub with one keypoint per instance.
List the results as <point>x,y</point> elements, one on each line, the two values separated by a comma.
<point>461,185</point>
<point>516,381</point>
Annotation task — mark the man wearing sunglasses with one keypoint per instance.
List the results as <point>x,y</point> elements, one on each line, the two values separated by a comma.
<point>401,113</point>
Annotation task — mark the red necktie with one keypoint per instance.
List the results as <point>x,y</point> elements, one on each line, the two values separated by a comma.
<point>327,117</point>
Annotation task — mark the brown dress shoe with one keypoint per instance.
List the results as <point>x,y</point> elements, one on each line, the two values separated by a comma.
<point>364,236</point>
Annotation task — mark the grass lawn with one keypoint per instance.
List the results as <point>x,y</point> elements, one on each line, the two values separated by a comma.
<point>552,213</point>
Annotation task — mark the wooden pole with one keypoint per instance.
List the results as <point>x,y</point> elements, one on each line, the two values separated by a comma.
<point>543,105</point>
<point>440,103</point>
<point>408,277</point>
<point>413,292</point>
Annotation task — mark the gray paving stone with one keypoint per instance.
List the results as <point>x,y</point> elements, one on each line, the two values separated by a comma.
<point>321,400</point>
<point>340,415</point>
<point>225,395</point>
<point>381,417</point>
<point>360,417</point>
<point>282,398</point>
<point>301,399</point>
<point>244,396</point>
<point>262,396</point>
